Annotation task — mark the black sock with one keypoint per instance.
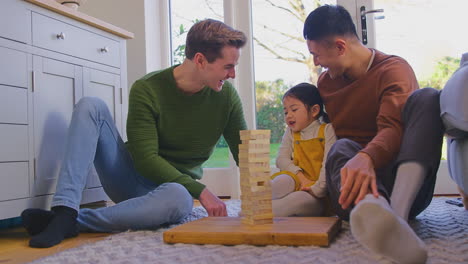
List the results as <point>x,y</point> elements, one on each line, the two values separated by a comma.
<point>63,225</point>
<point>36,220</point>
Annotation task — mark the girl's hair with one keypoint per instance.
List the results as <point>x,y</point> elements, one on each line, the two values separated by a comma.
<point>309,95</point>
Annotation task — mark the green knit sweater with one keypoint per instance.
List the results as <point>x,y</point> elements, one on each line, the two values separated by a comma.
<point>170,134</point>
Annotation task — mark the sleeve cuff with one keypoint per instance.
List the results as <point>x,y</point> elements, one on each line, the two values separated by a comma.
<point>195,188</point>
<point>376,154</point>
<point>319,191</point>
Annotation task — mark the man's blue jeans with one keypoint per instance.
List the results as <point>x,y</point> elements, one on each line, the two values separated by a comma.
<point>140,203</point>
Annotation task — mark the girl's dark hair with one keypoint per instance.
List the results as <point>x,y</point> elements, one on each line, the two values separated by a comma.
<point>309,95</point>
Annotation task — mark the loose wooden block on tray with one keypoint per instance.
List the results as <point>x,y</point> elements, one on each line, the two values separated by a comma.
<point>286,231</point>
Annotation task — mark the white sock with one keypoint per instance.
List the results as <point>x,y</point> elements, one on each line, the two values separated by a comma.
<point>298,203</point>
<point>378,228</point>
<point>282,185</point>
<point>464,197</point>
<point>409,179</point>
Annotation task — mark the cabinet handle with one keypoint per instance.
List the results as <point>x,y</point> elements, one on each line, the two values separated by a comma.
<point>33,84</point>
<point>105,49</point>
<point>61,35</point>
<point>34,168</point>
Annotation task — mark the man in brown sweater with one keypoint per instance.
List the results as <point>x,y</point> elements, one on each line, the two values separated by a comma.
<point>389,136</point>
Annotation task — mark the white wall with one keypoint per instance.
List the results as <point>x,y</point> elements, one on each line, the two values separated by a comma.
<point>143,18</point>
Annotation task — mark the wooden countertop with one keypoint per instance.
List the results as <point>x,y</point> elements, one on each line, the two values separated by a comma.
<point>63,10</point>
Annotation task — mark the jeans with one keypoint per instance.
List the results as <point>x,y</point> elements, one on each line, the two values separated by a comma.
<point>140,203</point>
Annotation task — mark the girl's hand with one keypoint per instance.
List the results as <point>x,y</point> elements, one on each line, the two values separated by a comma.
<point>309,190</point>
<point>305,182</point>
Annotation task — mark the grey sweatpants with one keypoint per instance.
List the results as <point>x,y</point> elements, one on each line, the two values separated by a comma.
<point>422,143</point>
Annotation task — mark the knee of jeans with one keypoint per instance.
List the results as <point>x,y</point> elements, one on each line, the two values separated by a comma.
<point>177,200</point>
<point>90,105</point>
<point>339,149</point>
<point>339,152</point>
<point>425,98</point>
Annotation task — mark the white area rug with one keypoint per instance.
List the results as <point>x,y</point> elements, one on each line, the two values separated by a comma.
<point>443,227</point>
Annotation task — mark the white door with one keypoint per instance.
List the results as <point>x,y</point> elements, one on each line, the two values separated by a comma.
<point>57,87</point>
<point>425,33</point>
<point>106,86</point>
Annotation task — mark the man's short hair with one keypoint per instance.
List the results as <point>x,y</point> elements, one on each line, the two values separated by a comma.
<point>209,37</point>
<point>328,21</point>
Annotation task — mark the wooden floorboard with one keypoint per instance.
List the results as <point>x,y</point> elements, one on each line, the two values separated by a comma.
<point>14,246</point>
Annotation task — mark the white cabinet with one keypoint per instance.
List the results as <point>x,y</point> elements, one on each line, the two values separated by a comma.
<point>48,62</point>
<point>13,13</point>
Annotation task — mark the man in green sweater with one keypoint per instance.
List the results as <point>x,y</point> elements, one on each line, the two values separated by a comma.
<point>176,117</point>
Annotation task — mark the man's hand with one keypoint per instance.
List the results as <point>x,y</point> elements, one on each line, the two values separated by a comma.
<point>357,177</point>
<point>212,204</point>
<point>303,179</point>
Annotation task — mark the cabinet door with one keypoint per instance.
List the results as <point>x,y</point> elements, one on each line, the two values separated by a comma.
<point>15,21</point>
<point>107,87</point>
<point>57,87</point>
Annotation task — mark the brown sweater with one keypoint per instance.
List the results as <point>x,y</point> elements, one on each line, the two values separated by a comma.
<point>368,110</point>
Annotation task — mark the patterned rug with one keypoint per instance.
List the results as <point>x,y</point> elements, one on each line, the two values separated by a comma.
<point>443,227</point>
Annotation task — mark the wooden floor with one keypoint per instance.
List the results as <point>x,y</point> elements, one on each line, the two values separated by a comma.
<point>14,248</point>
<point>14,245</point>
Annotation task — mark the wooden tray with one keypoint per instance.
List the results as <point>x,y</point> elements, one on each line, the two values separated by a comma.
<point>287,231</point>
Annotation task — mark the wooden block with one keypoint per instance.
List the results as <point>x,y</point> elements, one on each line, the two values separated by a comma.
<point>256,175</point>
<point>255,142</point>
<point>261,216</point>
<point>243,138</point>
<point>248,221</point>
<point>286,231</point>
<point>253,133</point>
<point>257,194</point>
<point>255,158</point>
<point>264,205</point>
<point>254,164</point>
<point>251,170</point>
<point>261,150</point>
<point>246,155</point>
<point>249,212</point>
<point>254,191</point>
<point>258,186</point>
<point>264,177</point>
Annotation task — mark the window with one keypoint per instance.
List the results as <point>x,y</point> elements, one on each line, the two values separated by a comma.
<point>183,15</point>
<point>431,41</point>
<point>281,59</point>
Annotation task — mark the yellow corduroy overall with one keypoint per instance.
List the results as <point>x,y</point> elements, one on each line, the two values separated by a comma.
<point>308,155</point>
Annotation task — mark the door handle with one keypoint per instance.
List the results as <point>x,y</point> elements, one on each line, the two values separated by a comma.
<point>364,12</point>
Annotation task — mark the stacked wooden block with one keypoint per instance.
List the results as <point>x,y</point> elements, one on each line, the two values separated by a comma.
<point>254,164</point>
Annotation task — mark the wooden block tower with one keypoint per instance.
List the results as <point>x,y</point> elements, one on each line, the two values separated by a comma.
<point>254,164</point>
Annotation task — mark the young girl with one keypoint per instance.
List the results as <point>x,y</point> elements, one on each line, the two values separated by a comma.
<point>299,187</point>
